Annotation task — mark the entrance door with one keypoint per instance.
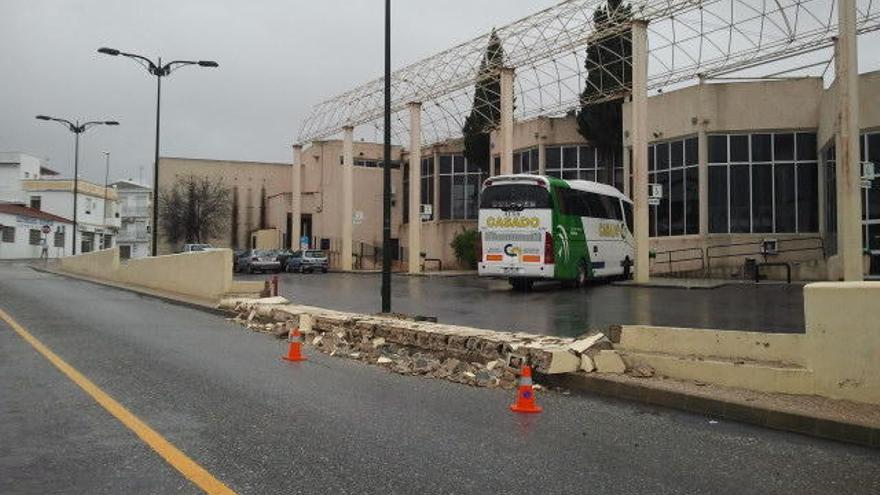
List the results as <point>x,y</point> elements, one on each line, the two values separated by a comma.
<point>305,227</point>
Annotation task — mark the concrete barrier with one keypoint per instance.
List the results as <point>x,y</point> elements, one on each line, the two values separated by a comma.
<point>836,357</point>
<point>203,275</point>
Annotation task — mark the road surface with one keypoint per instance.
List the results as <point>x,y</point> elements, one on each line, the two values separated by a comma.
<point>549,309</point>
<point>221,395</point>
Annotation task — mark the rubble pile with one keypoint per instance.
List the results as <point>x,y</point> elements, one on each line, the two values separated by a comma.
<point>403,345</point>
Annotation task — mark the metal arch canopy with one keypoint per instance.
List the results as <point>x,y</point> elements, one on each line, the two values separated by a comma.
<point>686,39</point>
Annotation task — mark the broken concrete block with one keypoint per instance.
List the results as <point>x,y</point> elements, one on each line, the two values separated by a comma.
<point>378,342</point>
<point>580,346</point>
<point>491,365</point>
<point>609,362</point>
<point>642,371</point>
<point>383,360</point>
<point>558,360</point>
<point>587,364</point>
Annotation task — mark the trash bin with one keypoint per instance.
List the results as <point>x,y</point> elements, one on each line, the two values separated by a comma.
<point>750,268</point>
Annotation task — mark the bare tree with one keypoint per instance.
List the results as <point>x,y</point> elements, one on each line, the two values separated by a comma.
<point>195,210</point>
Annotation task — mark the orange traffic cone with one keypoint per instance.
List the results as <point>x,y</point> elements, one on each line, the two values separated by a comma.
<point>294,351</point>
<point>525,396</point>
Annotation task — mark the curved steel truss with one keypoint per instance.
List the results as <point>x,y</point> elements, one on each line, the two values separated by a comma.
<point>686,39</point>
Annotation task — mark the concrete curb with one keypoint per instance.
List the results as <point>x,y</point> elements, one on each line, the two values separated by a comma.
<point>732,410</point>
<point>169,298</point>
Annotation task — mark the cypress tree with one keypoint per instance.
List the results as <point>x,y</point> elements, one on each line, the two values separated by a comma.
<point>608,72</point>
<point>486,112</point>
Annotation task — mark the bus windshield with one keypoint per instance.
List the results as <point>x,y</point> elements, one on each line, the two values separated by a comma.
<point>515,197</point>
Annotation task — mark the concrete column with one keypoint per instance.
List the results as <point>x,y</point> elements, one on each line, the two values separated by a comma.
<point>849,223</point>
<point>295,198</point>
<point>542,157</point>
<point>415,189</point>
<point>506,133</point>
<point>639,107</point>
<point>347,195</point>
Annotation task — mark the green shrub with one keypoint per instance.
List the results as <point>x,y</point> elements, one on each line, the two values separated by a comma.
<point>466,245</point>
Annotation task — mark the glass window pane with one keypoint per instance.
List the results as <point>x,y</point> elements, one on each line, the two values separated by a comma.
<point>663,208</point>
<point>808,197</point>
<point>783,147</point>
<point>554,158</point>
<point>570,174</point>
<point>650,157</point>
<point>587,175</point>
<point>517,165</point>
<point>692,203</point>
<point>873,154</point>
<point>458,164</point>
<point>691,151</point>
<point>740,197</point>
<point>873,240</point>
<point>718,149</point>
<point>445,196</point>
<point>497,165</point>
<point>739,148</point>
<point>676,201</point>
<point>569,157</point>
<point>806,146</point>
<point>783,174</point>
<point>662,156</point>
<point>458,196</point>
<point>533,161</point>
<point>445,164</point>
<point>762,198</point>
<point>677,150</point>
<point>761,151</point>
<point>588,156</point>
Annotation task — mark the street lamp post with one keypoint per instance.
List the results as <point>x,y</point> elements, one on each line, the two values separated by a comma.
<point>386,172</point>
<point>106,179</point>
<point>160,71</point>
<point>76,129</point>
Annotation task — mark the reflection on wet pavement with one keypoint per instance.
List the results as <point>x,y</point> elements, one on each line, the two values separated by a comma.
<point>549,309</point>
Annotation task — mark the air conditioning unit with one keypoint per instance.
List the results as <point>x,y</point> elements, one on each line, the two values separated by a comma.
<point>770,246</point>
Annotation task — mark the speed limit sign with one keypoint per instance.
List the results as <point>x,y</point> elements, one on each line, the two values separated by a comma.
<point>46,229</point>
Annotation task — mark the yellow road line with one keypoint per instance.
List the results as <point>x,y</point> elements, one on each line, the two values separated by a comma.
<point>172,455</point>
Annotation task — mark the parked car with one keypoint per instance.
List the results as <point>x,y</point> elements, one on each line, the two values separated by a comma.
<point>282,255</point>
<point>258,260</point>
<point>193,248</point>
<point>307,262</point>
<point>235,256</point>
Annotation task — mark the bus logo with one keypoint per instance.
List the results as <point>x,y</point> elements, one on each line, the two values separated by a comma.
<point>512,250</point>
<point>508,222</point>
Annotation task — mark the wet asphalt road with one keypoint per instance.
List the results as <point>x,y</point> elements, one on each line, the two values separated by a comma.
<point>264,426</point>
<point>550,309</point>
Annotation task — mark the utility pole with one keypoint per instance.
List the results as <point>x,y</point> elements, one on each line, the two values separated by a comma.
<point>386,172</point>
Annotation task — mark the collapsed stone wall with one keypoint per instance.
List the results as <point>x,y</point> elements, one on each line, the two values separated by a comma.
<point>403,345</point>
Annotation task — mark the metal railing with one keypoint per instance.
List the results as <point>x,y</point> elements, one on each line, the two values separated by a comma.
<point>694,254</point>
<point>755,248</point>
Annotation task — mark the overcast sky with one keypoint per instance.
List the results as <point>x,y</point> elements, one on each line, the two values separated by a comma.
<point>277,58</point>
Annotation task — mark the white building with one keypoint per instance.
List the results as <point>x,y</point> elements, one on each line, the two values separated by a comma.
<point>25,182</point>
<point>135,210</point>
<point>24,230</point>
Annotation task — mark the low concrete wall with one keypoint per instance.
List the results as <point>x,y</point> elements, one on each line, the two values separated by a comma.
<point>204,275</point>
<point>843,335</point>
<point>837,357</point>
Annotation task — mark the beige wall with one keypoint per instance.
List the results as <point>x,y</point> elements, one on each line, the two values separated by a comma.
<point>204,275</point>
<point>837,356</point>
<point>437,236</point>
<point>247,178</point>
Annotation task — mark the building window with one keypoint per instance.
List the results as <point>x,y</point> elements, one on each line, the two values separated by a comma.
<point>34,237</point>
<point>674,165</point>
<point>459,188</point>
<point>526,161</point>
<point>107,241</point>
<point>583,162</point>
<point>763,183</point>
<point>36,202</point>
<point>59,237</point>
<point>7,234</point>
<point>870,152</point>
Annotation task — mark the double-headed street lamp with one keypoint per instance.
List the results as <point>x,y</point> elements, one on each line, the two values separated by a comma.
<point>76,129</point>
<point>160,71</point>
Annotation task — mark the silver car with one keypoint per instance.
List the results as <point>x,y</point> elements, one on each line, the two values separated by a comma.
<point>258,260</point>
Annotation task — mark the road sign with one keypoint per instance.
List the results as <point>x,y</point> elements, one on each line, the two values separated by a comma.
<point>653,201</point>
<point>46,229</point>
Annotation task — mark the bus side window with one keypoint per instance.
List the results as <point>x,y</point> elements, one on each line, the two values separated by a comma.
<point>597,207</point>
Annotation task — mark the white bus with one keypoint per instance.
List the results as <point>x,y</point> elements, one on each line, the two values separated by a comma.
<point>534,227</point>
